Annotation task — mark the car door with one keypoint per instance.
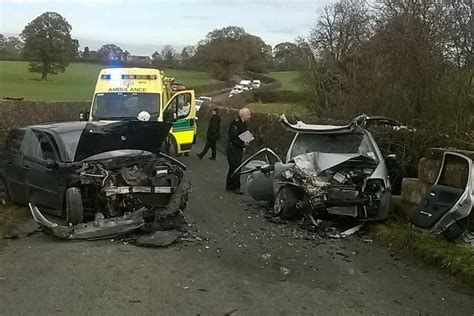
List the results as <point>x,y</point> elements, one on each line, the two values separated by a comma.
<point>261,174</point>
<point>42,181</point>
<point>181,106</point>
<point>12,166</point>
<point>450,198</point>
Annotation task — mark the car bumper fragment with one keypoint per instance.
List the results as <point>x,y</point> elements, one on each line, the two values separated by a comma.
<point>98,229</point>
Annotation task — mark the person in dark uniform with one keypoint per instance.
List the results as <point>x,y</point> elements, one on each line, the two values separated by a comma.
<point>235,149</point>
<point>213,134</point>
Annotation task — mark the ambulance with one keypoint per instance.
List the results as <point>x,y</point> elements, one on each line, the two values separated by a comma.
<point>146,94</point>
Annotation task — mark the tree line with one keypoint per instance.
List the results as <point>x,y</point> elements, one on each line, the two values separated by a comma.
<point>47,44</point>
<point>412,60</point>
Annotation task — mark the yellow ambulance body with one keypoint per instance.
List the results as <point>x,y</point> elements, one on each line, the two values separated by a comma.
<point>146,94</point>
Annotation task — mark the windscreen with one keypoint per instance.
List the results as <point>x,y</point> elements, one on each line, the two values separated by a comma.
<point>346,143</point>
<point>115,106</point>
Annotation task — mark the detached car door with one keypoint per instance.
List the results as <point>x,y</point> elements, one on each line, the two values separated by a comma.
<point>44,186</point>
<point>12,166</point>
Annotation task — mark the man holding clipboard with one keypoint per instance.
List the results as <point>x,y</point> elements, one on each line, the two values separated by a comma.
<point>239,137</point>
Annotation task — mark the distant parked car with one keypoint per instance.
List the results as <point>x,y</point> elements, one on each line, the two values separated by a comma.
<point>198,104</point>
<point>236,90</point>
<point>204,98</point>
<point>246,85</point>
<point>256,84</point>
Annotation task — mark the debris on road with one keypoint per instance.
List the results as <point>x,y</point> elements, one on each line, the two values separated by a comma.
<point>159,238</point>
<point>134,301</point>
<point>266,256</point>
<point>284,270</point>
<point>348,232</point>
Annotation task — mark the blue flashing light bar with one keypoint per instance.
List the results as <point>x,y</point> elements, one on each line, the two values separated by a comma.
<point>126,76</point>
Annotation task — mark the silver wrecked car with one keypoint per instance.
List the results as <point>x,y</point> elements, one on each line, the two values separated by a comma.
<point>329,170</point>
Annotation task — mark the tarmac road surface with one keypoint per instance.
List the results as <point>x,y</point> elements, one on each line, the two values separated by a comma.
<point>248,266</point>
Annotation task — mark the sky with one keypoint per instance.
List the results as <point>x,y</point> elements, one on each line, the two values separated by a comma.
<point>144,26</point>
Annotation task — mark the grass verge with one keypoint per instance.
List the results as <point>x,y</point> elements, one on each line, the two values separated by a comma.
<point>455,258</point>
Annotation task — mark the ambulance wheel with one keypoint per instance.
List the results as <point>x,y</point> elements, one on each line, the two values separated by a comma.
<point>172,146</point>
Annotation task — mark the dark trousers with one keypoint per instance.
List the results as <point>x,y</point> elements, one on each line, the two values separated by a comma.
<point>210,143</point>
<point>234,158</point>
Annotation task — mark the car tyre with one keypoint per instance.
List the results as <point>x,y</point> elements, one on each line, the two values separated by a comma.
<point>171,146</point>
<point>285,203</point>
<point>74,206</point>
<point>454,231</point>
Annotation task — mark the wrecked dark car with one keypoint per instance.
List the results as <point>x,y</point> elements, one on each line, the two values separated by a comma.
<point>446,206</point>
<point>329,171</point>
<point>92,180</point>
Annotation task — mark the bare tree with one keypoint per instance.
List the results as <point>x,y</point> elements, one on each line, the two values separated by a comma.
<point>341,28</point>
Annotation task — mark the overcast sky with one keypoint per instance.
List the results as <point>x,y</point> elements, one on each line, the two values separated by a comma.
<point>143,26</point>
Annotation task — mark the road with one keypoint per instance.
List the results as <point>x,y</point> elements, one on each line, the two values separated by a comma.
<point>247,266</point>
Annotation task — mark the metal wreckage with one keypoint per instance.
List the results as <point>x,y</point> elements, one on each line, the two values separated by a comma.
<point>329,171</point>
<point>339,172</point>
<point>99,180</point>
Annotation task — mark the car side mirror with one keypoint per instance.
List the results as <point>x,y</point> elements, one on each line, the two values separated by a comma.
<point>84,116</point>
<point>51,164</point>
<point>391,157</point>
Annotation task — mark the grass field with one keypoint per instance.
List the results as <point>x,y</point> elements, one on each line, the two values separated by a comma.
<point>289,79</point>
<point>278,108</point>
<point>76,84</point>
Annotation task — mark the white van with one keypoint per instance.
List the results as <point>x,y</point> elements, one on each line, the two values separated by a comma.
<point>246,84</point>
<point>256,84</point>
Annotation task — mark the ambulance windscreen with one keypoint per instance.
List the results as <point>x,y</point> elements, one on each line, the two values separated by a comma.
<point>116,106</point>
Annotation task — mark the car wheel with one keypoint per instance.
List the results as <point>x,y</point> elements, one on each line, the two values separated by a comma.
<point>74,207</point>
<point>454,231</point>
<point>285,203</point>
<point>4,194</point>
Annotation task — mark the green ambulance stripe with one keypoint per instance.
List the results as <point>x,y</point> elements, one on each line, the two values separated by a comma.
<point>182,125</point>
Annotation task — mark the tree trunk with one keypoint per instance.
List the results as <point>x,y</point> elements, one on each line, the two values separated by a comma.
<point>44,75</point>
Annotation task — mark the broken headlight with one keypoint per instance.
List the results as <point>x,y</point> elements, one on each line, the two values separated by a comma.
<point>375,187</point>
